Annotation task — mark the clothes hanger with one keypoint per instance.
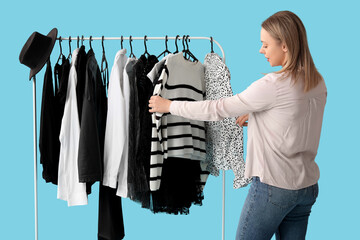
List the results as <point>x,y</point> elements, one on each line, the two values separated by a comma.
<point>166,47</point>
<point>82,40</point>
<point>146,51</point>
<point>184,50</point>
<point>78,39</point>
<point>187,56</point>
<point>188,50</point>
<point>121,42</point>
<point>70,55</point>
<point>104,70</point>
<point>131,54</point>
<point>57,66</point>
<point>90,40</point>
<point>61,56</point>
<point>177,49</point>
<point>212,44</point>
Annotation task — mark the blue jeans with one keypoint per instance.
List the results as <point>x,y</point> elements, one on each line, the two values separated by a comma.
<point>268,210</point>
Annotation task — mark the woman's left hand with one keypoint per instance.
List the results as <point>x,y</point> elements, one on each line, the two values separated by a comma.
<point>242,120</point>
<point>159,104</point>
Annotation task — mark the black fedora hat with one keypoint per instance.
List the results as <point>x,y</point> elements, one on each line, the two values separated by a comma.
<point>37,50</point>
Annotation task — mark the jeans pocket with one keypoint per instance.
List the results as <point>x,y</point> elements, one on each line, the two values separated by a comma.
<point>282,198</point>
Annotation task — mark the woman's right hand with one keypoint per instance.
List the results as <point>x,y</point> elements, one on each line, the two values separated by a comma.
<point>242,120</point>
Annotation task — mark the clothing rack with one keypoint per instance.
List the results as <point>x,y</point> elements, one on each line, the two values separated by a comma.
<point>114,38</point>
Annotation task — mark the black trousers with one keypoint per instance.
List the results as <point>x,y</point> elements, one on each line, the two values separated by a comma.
<point>110,225</point>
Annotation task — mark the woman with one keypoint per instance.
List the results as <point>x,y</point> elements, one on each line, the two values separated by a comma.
<point>284,110</point>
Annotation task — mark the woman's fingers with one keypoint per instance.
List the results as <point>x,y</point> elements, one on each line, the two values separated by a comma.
<point>241,120</point>
<point>159,104</point>
<point>152,103</point>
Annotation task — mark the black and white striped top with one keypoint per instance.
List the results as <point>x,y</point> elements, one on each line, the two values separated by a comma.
<point>174,136</point>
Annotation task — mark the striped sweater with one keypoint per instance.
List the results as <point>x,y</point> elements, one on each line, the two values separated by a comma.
<point>174,136</point>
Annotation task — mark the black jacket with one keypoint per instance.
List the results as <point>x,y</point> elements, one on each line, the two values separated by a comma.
<point>47,143</point>
<point>93,120</point>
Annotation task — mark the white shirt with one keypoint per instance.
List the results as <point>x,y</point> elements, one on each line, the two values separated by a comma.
<point>115,133</point>
<point>122,189</point>
<point>69,187</point>
<point>283,131</point>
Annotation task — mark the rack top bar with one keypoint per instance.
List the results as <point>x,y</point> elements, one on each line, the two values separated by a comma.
<point>142,38</point>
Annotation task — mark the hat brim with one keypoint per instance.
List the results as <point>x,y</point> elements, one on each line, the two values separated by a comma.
<point>53,35</point>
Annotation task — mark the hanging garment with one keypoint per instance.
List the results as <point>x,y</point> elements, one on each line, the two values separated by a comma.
<point>80,66</point>
<point>61,75</point>
<point>93,120</point>
<point>224,139</point>
<point>110,223</point>
<point>134,124</point>
<point>175,136</point>
<point>176,196</point>
<point>49,157</point>
<point>139,166</point>
<point>115,133</point>
<point>69,187</point>
<point>122,188</point>
<point>180,187</point>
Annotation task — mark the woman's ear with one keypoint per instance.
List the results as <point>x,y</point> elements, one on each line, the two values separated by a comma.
<point>284,48</point>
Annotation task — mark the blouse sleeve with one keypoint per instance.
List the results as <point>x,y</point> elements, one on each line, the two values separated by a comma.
<point>259,96</point>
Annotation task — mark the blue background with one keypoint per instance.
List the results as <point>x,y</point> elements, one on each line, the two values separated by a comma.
<point>333,34</point>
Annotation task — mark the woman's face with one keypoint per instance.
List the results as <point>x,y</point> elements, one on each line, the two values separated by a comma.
<point>273,50</point>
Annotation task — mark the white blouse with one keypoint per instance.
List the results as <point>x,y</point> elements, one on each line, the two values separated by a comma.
<point>115,146</point>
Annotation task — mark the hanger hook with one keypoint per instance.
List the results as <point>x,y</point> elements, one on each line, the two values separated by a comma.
<point>176,38</point>
<point>82,40</point>
<point>145,39</point>
<point>102,43</point>
<point>121,41</point>
<point>183,39</point>
<point>131,50</point>
<point>90,39</point>
<point>186,41</point>
<point>212,44</point>
<point>69,45</point>
<point>166,40</point>
<point>78,39</point>
<point>60,45</point>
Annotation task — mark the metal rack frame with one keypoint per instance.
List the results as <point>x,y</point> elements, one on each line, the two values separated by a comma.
<point>35,122</point>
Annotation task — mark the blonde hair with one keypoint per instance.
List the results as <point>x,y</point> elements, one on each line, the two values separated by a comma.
<point>287,28</point>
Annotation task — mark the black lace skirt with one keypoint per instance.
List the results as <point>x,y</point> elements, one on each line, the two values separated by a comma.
<point>180,187</point>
